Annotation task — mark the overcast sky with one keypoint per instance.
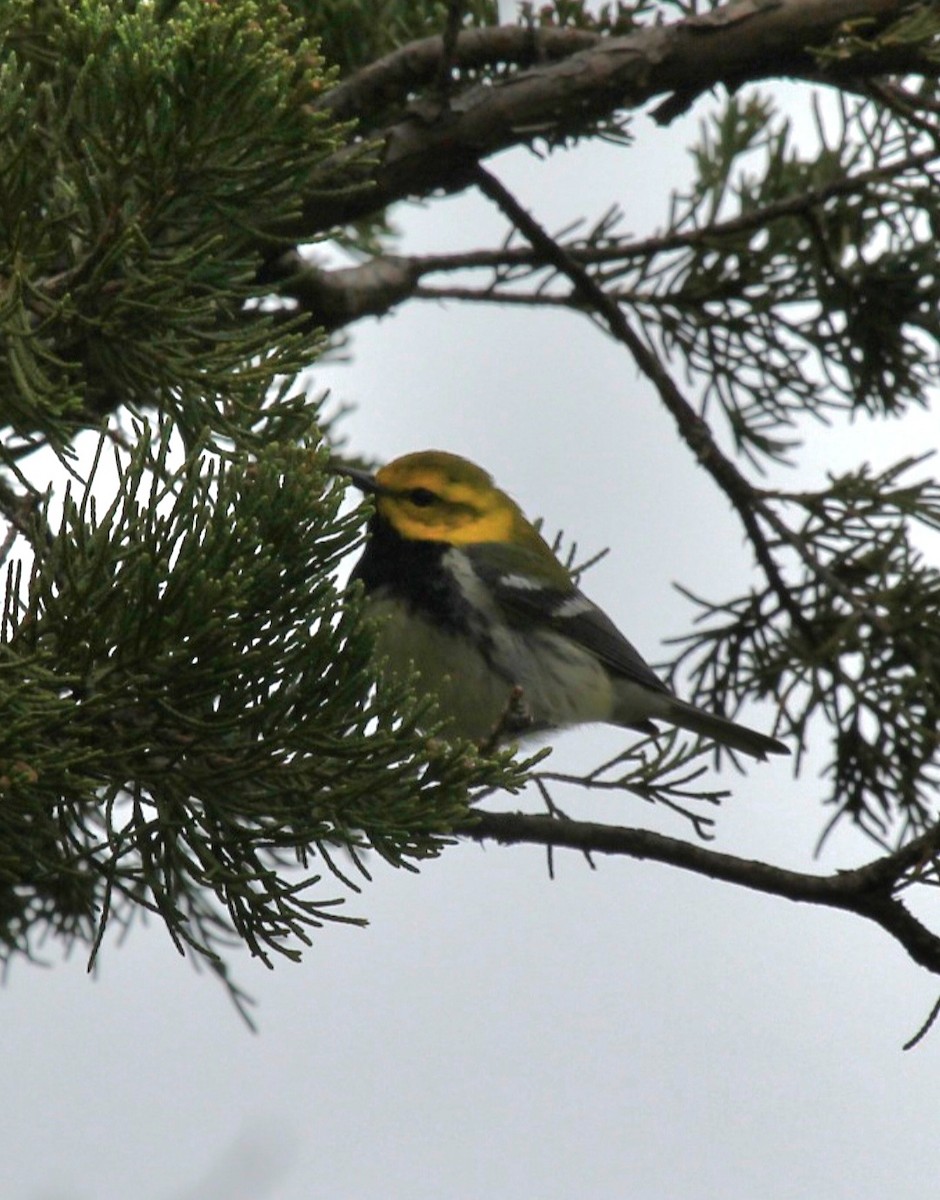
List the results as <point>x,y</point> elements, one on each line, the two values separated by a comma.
<point>624,1032</point>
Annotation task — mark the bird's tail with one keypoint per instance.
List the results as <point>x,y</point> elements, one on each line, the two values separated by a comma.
<point>720,729</point>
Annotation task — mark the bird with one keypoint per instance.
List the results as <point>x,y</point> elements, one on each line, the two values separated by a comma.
<point>465,591</point>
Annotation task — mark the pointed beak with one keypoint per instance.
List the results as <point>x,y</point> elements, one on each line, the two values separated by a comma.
<point>363,480</point>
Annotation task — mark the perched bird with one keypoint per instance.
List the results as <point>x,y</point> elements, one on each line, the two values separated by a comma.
<point>468,592</point>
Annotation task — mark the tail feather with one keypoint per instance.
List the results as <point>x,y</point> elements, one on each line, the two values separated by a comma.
<point>720,729</point>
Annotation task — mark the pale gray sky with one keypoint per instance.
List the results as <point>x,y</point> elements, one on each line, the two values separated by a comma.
<point>626,1032</point>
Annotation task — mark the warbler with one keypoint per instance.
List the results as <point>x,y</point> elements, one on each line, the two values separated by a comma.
<point>468,593</point>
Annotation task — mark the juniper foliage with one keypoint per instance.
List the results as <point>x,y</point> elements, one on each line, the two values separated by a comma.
<point>191,727</point>
<point>190,723</point>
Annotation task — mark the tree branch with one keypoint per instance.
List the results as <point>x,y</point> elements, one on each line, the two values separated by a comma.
<point>692,428</point>
<point>866,891</point>
<point>389,80</point>
<point>337,297</point>
<point>437,142</point>
<point>750,505</point>
<point>22,511</point>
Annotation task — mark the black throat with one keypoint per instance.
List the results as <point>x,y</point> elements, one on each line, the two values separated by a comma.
<point>412,571</point>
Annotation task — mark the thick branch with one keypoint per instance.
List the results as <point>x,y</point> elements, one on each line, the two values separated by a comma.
<point>438,141</point>
<point>339,297</point>
<point>389,80</point>
<point>865,891</point>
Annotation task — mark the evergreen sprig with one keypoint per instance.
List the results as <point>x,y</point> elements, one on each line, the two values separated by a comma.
<point>187,708</point>
<point>144,157</point>
<point>828,304</point>
<point>189,720</point>
<point>864,654</point>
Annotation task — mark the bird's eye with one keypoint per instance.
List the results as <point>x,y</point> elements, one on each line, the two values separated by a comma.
<point>422,497</point>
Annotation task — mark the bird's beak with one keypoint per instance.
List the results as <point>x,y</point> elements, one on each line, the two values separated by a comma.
<point>363,480</point>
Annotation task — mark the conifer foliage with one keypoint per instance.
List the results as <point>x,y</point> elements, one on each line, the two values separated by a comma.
<point>190,723</point>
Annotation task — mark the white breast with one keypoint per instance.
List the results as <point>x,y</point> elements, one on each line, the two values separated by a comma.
<point>473,675</point>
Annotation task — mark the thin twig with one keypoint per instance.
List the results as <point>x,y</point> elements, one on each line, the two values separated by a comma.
<point>444,81</point>
<point>692,428</point>
<point>925,1027</point>
<point>866,891</point>
<point>340,296</point>
<point>9,540</point>
<point>22,510</point>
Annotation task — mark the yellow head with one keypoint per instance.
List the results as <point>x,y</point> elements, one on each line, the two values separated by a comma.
<point>435,496</point>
